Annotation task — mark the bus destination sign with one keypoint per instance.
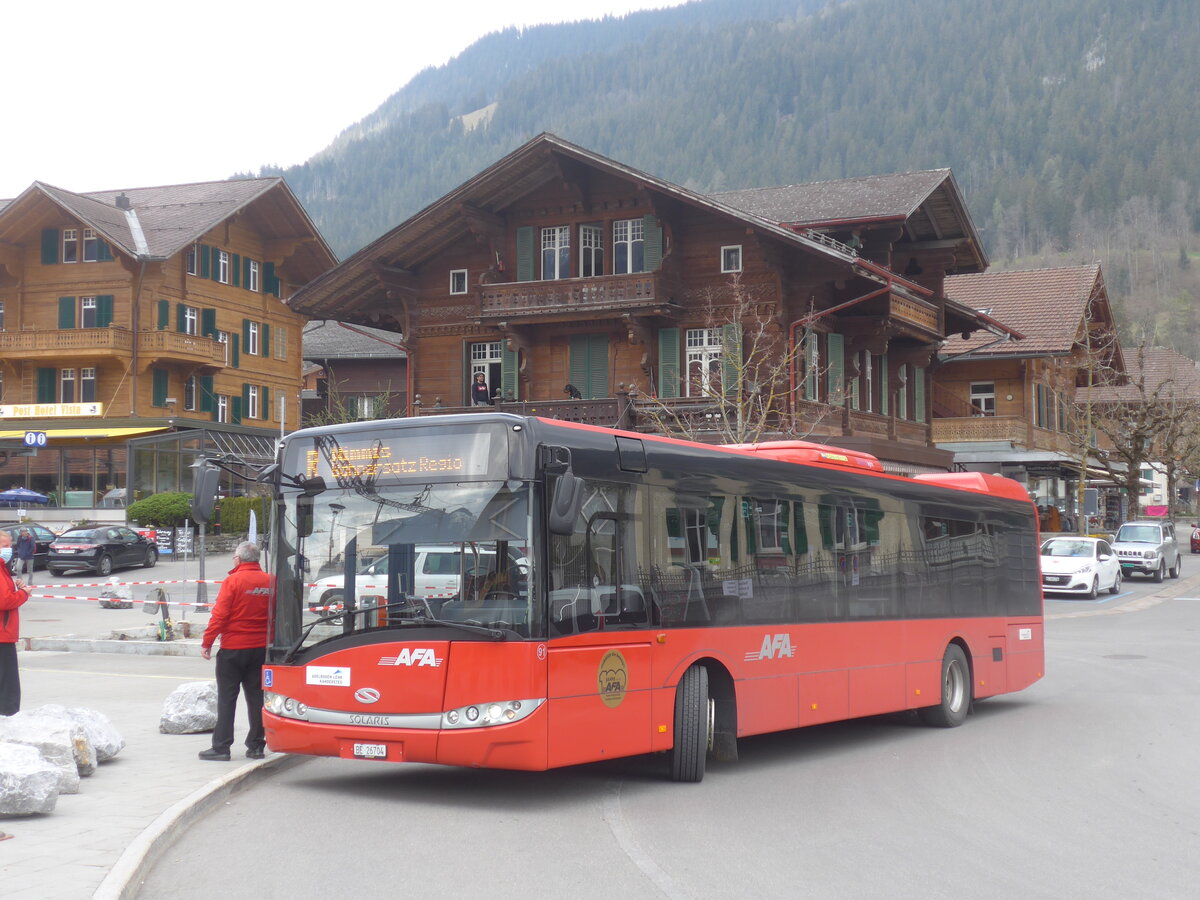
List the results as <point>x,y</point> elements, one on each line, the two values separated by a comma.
<point>401,457</point>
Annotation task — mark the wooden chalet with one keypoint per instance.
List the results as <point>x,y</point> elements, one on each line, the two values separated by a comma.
<point>352,372</point>
<point>557,266</point>
<point>140,326</point>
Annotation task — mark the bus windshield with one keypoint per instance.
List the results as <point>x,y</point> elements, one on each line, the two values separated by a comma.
<point>408,555</point>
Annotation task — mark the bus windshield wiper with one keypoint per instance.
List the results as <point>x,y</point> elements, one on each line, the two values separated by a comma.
<point>494,633</point>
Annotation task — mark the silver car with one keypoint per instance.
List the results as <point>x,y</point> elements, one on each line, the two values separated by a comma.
<point>1148,548</point>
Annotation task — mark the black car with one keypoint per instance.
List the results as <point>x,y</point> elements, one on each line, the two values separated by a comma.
<point>42,537</point>
<point>100,549</point>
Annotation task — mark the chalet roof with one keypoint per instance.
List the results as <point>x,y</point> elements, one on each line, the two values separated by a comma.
<point>928,203</point>
<point>1166,373</point>
<point>162,221</point>
<point>1047,306</point>
<point>354,284</point>
<point>325,339</point>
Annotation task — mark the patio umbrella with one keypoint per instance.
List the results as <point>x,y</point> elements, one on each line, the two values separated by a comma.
<point>22,495</point>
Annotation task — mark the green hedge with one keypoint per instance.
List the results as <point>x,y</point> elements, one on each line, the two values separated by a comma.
<point>166,510</point>
<point>235,514</point>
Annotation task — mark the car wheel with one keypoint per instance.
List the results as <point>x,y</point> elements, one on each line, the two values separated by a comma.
<point>956,692</point>
<point>104,565</point>
<point>54,571</point>
<point>1116,585</point>
<point>1160,572</point>
<point>1095,591</point>
<point>1174,573</point>
<point>151,558</point>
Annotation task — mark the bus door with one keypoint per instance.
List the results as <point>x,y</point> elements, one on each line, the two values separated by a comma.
<point>599,676</point>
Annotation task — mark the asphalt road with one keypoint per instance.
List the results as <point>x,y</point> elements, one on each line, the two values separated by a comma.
<point>1083,786</point>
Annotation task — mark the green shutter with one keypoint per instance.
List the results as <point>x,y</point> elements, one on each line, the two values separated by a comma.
<point>668,362</point>
<point>180,318</point>
<point>235,410</point>
<point>265,340</point>
<point>652,247</point>
<point>104,253</point>
<point>856,380</point>
<point>160,388</point>
<point>235,353</point>
<point>836,375</point>
<point>203,250</point>
<point>235,270</point>
<point>731,357</point>
<point>246,334</point>
<point>588,366</point>
<point>246,397</point>
<point>49,246</point>
<point>208,323</point>
<point>270,282</point>
<point>919,394</point>
<point>265,408</point>
<point>104,310</point>
<point>207,403</point>
<point>246,272</point>
<point>164,314</point>
<point>525,253</point>
<point>508,373</point>
<point>66,312</point>
<point>215,255</point>
<point>811,367</point>
<point>46,379</point>
<point>883,385</point>
<point>800,532</point>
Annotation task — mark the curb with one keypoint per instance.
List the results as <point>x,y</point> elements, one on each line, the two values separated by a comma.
<point>104,645</point>
<point>124,879</point>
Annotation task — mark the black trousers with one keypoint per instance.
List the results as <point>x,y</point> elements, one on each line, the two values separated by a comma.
<point>239,669</point>
<point>10,680</point>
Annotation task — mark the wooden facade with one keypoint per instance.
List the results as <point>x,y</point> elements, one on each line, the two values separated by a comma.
<point>558,267</point>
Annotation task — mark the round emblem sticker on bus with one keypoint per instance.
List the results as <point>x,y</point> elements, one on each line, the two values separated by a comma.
<point>611,678</point>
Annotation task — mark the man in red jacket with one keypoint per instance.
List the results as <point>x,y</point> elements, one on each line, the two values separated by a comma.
<point>239,617</point>
<point>13,595</point>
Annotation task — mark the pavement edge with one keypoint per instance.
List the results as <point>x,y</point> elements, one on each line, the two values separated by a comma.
<point>124,879</point>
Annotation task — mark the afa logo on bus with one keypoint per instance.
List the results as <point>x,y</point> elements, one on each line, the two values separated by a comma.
<point>773,646</point>
<point>417,656</point>
<point>612,678</point>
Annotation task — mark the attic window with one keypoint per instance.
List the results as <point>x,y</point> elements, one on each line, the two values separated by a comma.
<point>731,258</point>
<point>91,245</point>
<point>458,281</point>
<point>193,260</point>
<point>70,245</point>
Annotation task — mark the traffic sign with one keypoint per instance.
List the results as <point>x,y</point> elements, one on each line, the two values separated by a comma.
<point>35,439</point>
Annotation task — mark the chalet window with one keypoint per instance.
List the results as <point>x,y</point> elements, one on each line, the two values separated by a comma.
<point>87,312</point>
<point>189,320</point>
<point>983,398</point>
<point>812,367</point>
<point>591,251</point>
<point>281,343</point>
<point>629,246</point>
<point>2,315</point>
<point>66,392</point>
<point>364,407</point>
<point>253,282</point>
<point>458,281</point>
<point>252,337</point>
<point>556,252</point>
<point>70,245</point>
<point>487,358</point>
<point>223,338</point>
<point>252,411</point>
<point>731,258</point>
<point>703,362</point>
<point>91,245</point>
<point>87,385</point>
<point>193,259</point>
<point>221,269</point>
<point>223,408</point>
<point>189,393</point>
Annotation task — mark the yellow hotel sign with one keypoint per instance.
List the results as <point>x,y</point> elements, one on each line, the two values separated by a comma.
<point>49,410</point>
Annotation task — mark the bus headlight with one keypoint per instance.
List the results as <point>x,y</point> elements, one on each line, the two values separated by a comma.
<point>494,712</point>
<point>282,705</point>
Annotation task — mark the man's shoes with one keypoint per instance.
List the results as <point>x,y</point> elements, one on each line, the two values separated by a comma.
<point>215,755</point>
<point>255,753</point>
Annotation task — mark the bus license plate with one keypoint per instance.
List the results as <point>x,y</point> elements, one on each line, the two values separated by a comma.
<point>370,751</point>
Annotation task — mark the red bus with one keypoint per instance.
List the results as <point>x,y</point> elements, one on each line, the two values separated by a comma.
<point>524,593</point>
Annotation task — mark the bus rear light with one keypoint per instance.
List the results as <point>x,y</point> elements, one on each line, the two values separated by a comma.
<point>496,712</point>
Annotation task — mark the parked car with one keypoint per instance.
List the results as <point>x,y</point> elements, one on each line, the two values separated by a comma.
<point>1148,548</point>
<point>1195,538</point>
<point>1080,565</point>
<point>100,549</point>
<point>42,537</point>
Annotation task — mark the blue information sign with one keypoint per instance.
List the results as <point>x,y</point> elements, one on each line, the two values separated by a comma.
<point>35,439</point>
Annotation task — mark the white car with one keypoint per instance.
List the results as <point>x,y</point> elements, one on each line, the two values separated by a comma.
<point>1079,565</point>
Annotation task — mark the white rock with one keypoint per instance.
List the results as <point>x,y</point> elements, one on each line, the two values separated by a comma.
<point>92,726</point>
<point>190,709</point>
<point>52,738</point>
<point>28,783</point>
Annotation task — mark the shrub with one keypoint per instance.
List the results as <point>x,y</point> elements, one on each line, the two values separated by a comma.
<point>166,510</point>
<point>235,514</point>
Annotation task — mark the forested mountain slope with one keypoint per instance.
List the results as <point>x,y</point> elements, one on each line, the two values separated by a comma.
<point>1070,125</point>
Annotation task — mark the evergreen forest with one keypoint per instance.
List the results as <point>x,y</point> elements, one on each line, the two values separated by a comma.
<point>1070,124</point>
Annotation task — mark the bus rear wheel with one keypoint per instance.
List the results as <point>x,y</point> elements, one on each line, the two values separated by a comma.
<point>693,726</point>
<point>956,692</point>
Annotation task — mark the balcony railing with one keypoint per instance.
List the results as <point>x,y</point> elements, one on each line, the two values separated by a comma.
<point>1018,431</point>
<point>184,347</point>
<point>66,340</point>
<point>571,295</point>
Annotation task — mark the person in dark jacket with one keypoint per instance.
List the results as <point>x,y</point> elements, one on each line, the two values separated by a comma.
<point>13,594</point>
<point>239,618</point>
<point>24,551</point>
<point>480,395</point>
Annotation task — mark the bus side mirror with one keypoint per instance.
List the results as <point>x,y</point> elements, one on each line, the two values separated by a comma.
<point>304,516</point>
<point>565,504</point>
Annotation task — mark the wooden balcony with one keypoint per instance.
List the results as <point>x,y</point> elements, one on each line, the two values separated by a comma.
<point>604,412</point>
<point>75,343</point>
<point>171,346</point>
<point>1019,432</point>
<point>571,297</point>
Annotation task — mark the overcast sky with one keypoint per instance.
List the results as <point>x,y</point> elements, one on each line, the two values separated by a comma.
<point>137,93</point>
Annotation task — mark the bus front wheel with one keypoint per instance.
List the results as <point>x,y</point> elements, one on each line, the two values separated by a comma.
<point>956,691</point>
<point>693,726</point>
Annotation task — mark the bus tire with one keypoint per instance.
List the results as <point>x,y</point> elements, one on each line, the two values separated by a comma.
<point>692,726</point>
<point>956,692</point>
